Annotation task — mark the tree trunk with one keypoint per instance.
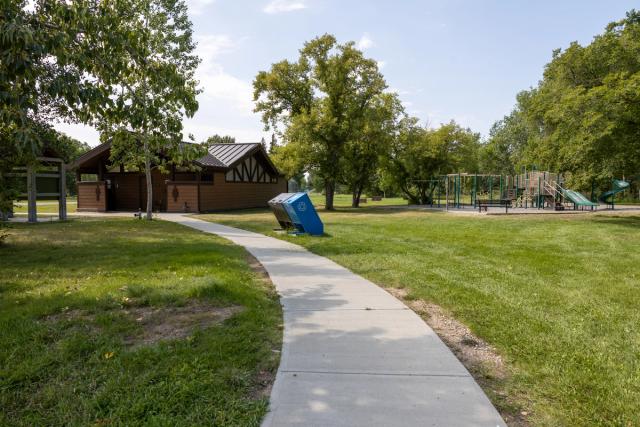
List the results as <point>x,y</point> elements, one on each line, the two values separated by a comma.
<point>413,199</point>
<point>355,201</point>
<point>329,189</point>
<point>147,172</point>
<point>423,196</point>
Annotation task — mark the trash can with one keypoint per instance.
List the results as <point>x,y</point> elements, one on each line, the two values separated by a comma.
<point>295,211</point>
<point>277,207</point>
<point>303,214</point>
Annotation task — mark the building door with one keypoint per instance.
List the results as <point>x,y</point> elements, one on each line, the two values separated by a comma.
<point>125,191</point>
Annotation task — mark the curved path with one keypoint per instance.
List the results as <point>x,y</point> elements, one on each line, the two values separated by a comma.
<point>353,355</point>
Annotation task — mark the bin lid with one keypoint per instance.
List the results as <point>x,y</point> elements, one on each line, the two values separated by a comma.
<point>297,196</point>
<point>280,198</point>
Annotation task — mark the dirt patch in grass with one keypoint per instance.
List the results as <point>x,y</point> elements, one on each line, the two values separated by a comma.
<point>157,323</point>
<point>173,323</point>
<point>481,359</point>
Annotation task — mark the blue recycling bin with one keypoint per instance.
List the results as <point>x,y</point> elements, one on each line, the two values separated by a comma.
<point>303,214</point>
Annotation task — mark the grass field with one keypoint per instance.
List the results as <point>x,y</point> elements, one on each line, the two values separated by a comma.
<point>557,296</point>
<point>45,207</point>
<point>344,201</point>
<point>121,322</point>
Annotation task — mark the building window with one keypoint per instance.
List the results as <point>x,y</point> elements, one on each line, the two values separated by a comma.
<point>88,177</point>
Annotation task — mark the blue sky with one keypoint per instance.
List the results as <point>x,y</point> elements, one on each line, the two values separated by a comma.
<point>461,59</point>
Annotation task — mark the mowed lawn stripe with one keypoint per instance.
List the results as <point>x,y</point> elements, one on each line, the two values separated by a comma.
<point>557,296</point>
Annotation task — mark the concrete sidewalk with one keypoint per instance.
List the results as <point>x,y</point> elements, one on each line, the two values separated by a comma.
<point>353,355</point>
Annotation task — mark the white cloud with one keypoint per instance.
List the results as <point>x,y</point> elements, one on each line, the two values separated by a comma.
<point>226,103</point>
<point>211,46</point>
<point>365,42</point>
<point>280,6</point>
<point>218,85</point>
<point>197,7</point>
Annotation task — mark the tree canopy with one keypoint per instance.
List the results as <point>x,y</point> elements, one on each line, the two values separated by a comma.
<point>419,155</point>
<point>47,72</point>
<point>126,66</point>
<point>155,90</point>
<point>584,116</point>
<point>320,104</point>
<point>218,139</point>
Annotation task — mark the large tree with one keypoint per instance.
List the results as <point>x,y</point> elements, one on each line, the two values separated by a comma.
<point>155,90</point>
<point>47,72</point>
<point>419,156</point>
<point>505,150</point>
<point>318,103</point>
<point>124,65</point>
<point>584,116</point>
<point>370,144</point>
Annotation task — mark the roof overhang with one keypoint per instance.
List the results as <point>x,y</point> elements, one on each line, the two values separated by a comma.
<point>90,156</point>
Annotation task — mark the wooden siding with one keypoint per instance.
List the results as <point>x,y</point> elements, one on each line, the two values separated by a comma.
<point>128,193</point>
<point>182,197</point>
<point>224,195</point>
<point>92,196</point>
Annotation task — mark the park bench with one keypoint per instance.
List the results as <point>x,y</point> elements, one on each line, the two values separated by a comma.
<point>484,204</point>
<point>376,198</point>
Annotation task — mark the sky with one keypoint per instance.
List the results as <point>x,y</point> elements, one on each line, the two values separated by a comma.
<point>459,59</point>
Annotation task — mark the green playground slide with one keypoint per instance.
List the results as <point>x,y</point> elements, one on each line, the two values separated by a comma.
<point>577,198</point>
<point>618,186</point>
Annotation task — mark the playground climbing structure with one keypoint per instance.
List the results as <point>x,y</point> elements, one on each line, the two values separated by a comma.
<point>530,189</point>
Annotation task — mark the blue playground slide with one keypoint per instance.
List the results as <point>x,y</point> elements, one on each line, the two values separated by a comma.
<point>618,186</point>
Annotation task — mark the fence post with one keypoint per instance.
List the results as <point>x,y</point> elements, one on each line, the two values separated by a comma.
<point>31,194</point>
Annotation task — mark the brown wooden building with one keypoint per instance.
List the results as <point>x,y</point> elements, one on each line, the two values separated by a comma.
<point>230,176</point>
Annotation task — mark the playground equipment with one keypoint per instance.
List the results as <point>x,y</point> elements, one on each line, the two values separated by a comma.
<point>608,197</point>
<point>529,189</point>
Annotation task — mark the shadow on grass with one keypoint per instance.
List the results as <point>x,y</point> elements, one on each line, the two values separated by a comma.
<point>623,220</point>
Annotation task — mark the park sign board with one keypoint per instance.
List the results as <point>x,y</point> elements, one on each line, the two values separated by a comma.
<point>44,180</point>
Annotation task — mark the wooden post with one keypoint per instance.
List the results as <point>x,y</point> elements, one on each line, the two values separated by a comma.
<point>62,199</point>
<point>31,194</point>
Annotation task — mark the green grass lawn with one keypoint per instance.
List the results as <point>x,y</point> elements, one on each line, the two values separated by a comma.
<point>84,308</point>
<point>45,207</point>
<point>344,200</point>
<point>557,296</point>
